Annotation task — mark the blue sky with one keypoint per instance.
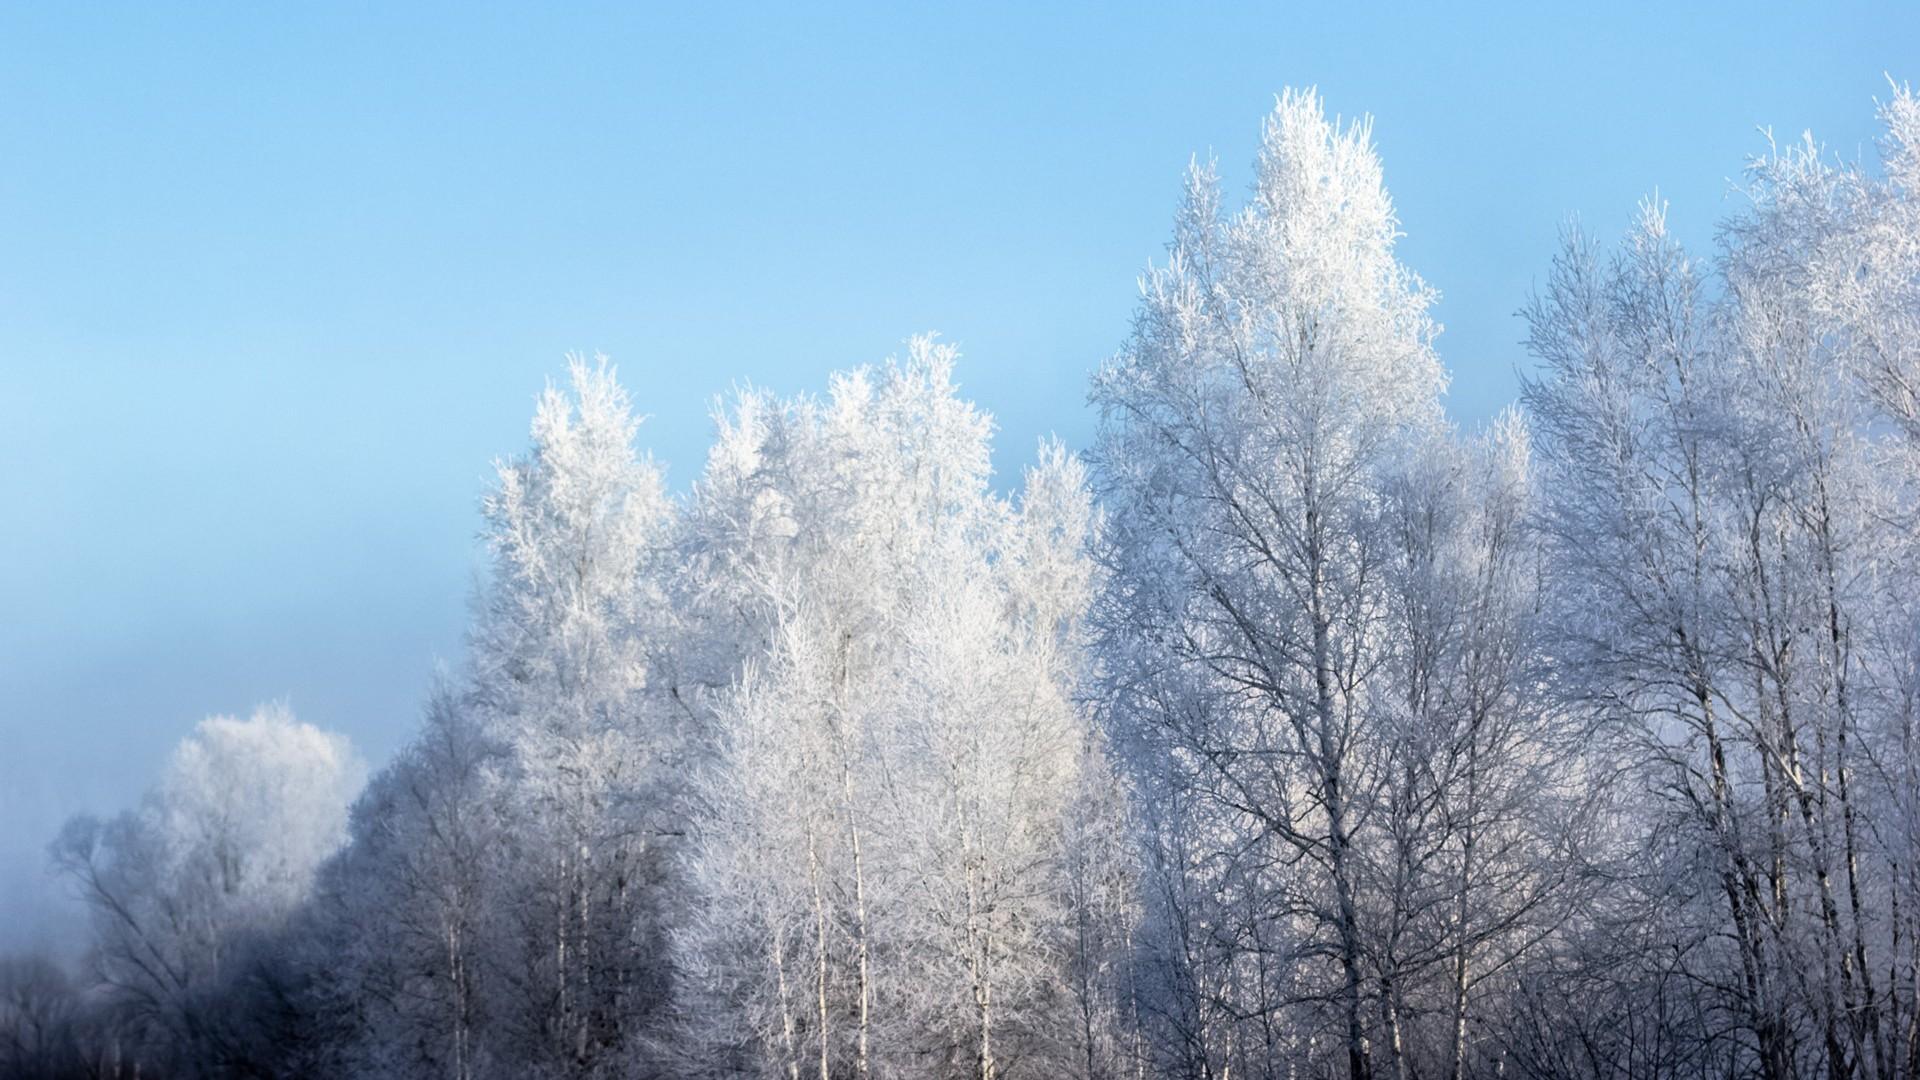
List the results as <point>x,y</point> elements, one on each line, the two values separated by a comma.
<point>278,281</point>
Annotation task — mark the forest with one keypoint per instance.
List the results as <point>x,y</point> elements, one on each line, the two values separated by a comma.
<point>1290,730</point>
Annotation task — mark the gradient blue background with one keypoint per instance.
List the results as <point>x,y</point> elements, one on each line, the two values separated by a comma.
<point>278,281</point>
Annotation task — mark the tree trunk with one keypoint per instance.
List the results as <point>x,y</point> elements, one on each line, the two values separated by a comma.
<point>820,952</point>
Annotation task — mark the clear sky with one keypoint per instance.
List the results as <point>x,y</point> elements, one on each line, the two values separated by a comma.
<point>278,281</point>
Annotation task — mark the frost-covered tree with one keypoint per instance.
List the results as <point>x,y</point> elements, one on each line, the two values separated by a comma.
<point>988,767</point>
<point>1865,274</point>
<point>1727,515</point>
<point>560,678</point>
<point>1281,360</point>
<point>406,931</point>
<point>212,864</point>
<point>1488,799</point>
<point>904,744</point>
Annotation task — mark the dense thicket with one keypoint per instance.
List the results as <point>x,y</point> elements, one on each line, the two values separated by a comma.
<point>1297,733</point>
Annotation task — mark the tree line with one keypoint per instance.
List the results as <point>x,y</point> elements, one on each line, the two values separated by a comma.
<point>1289,732</point>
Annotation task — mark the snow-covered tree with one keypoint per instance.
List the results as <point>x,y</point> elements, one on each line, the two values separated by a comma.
<point>560,678</point>
<point>904,742</point>
<point>407,928</point>
<point>1727,511</point>
<point>1281,360</point>
<point>216,859</point>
